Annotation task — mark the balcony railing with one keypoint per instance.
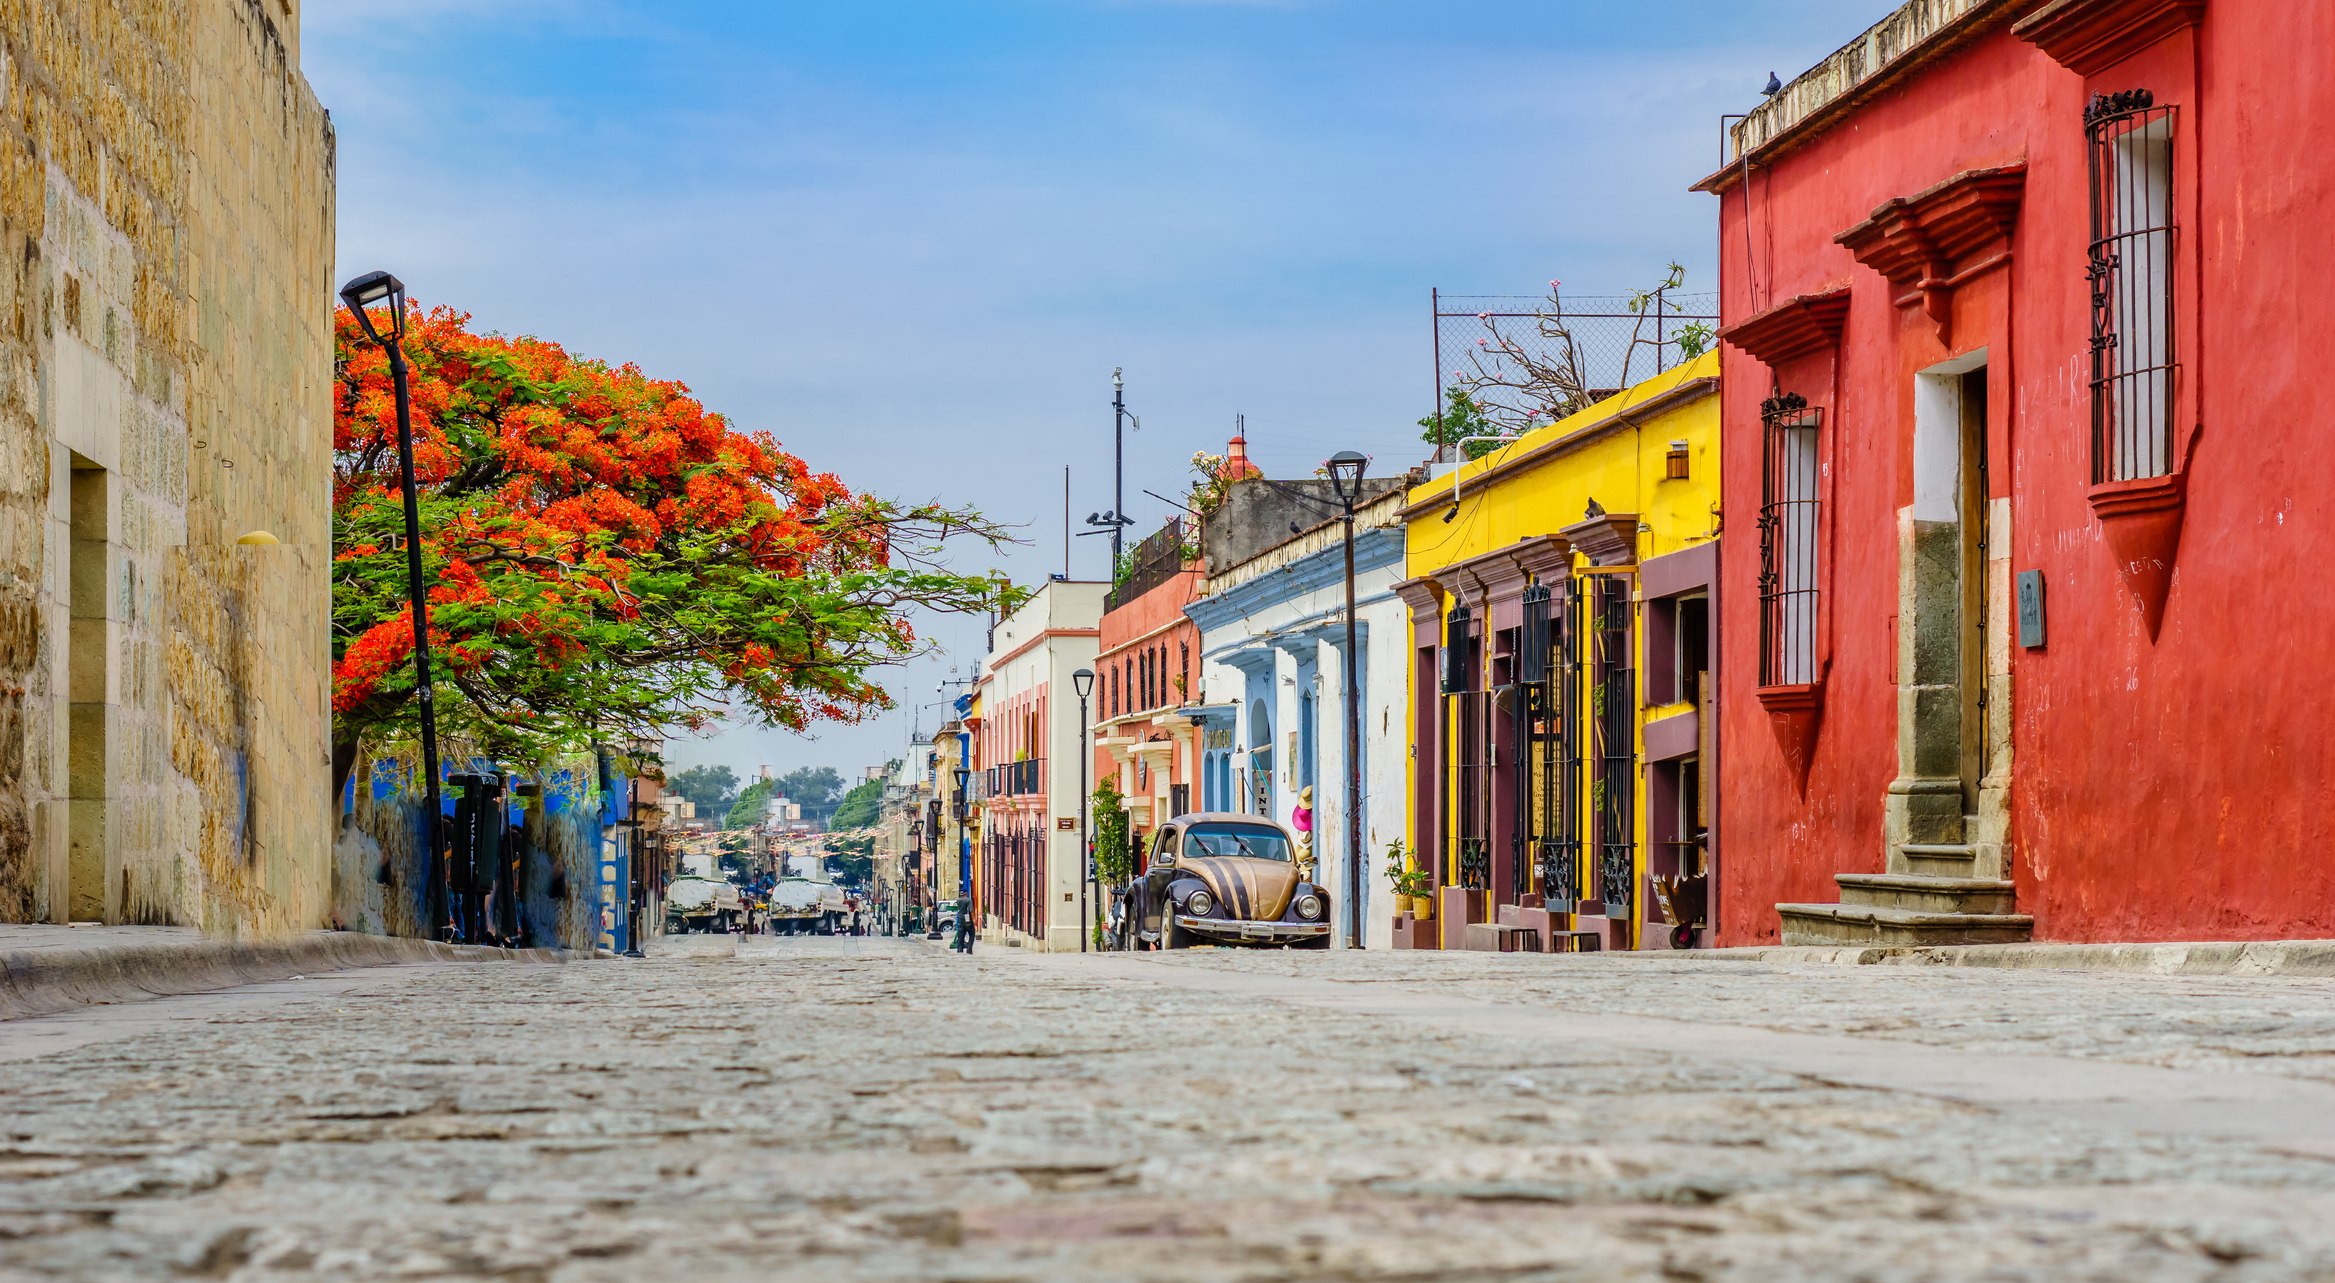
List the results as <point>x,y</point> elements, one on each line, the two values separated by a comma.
<point>1016,779</point>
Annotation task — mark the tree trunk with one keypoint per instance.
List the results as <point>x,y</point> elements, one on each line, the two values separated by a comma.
<point>344,763</point>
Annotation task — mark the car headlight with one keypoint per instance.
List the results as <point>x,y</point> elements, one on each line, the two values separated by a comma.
<point>1309,906</point>
<point>1199,904</point>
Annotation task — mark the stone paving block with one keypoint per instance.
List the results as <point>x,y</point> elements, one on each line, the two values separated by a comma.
<point>848,1109</point>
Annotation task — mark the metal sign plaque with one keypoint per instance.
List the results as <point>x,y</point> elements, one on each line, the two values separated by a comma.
<point>2031,609</point>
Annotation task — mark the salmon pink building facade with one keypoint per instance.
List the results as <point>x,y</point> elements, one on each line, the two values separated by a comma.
<point>2021,633</point>
<point>1147,680</point>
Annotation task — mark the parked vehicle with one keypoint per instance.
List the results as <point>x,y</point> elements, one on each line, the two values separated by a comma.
<point>1216,877</point>
<point>805,902</point>
<point>694,903</point>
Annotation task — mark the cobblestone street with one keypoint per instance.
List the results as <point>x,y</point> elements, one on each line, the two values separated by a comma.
<point>874,1109</point>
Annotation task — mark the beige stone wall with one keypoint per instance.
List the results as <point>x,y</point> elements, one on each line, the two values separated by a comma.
<point>166,181</point>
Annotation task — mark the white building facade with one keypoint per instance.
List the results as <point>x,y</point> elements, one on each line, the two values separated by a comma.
<point>1273,721</point>
<point>1029,870</point>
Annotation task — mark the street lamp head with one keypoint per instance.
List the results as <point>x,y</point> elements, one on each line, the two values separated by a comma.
<point>371,288</point>
<point>1345,468</point>
<point>1083,681</point>
<point>1116,380</point>
<point>963,774</point>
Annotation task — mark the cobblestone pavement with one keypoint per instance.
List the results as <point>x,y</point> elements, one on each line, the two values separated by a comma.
<point>877,1109</point>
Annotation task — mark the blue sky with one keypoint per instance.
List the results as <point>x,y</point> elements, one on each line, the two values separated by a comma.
<point>913,239</point>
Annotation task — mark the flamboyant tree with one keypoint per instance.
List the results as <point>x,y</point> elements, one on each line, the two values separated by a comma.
<point>605,558</point>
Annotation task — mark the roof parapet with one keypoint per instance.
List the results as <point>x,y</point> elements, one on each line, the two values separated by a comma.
<point>1916,33</point>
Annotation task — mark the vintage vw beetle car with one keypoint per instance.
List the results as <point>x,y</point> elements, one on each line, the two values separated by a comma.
<point>1217,877</point>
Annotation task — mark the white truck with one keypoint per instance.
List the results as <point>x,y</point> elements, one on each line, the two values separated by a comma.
<point>805,902</point>
<point>695,903</point>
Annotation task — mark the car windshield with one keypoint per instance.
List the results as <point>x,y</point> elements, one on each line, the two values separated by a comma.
<point>1253,840</point>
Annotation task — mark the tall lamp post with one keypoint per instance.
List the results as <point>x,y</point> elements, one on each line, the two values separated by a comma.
<point>360,294</point>
<point>932,880</point>
<point>1345,469</point>
<point>1083,681</point>
<point>965,910</point>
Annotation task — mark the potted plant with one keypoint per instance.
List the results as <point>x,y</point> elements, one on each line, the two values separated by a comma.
<point>1410,884</point>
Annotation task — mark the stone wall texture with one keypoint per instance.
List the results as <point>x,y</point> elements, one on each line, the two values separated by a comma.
<point>166,230</point>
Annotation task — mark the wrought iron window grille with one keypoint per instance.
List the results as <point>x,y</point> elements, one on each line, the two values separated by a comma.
<point>2130,271</point>
<point>1787,540</point>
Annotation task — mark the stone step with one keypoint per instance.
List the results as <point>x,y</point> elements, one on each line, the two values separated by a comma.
<point>1942,859</point>
<point>1926,893</point>
<point>1830,924</point>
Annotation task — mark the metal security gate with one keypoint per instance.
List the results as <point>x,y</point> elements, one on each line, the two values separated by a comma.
<point>1614,793</point>
<point>1548,760</point>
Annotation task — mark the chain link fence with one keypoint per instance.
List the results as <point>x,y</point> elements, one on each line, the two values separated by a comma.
<point>1601,339</point>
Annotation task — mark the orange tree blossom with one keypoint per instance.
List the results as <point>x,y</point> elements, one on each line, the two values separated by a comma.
<point>605,558</point>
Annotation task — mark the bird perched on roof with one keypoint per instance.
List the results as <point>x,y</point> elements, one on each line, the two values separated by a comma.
<point>1774,86</point>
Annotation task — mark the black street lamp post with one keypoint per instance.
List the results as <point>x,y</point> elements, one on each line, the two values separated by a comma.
<point>359,294</point>
<point>932,889</point>
<point>964,773</point>
<point>1346,479</point>
<point>1083,681</point>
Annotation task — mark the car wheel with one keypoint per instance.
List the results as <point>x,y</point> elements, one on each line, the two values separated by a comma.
<point>1172,936</point>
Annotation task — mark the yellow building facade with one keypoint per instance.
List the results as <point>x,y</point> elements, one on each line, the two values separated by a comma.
<point>1562,593</point>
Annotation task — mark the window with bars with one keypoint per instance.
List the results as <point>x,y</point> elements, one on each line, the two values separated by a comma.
<point>1614,713</point>
<point>1469,723</point>
<point>1548,763</point>
<point>2131,275</point>
<point>1787,540</point>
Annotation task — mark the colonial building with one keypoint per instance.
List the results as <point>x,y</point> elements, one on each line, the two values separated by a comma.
<point>2026,465</point>
<point>1147,676</point>
<point>1271,717</point>
<point>905,832</point>
<point>1560,593</point>
<point>166,244</point>
<point>1031,877</point>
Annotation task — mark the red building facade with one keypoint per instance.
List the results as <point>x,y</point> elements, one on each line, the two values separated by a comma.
<point>2016,294</point>
<point>1147,675</point>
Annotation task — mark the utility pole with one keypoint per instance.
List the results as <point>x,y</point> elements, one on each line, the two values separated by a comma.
<point>1118,463</point>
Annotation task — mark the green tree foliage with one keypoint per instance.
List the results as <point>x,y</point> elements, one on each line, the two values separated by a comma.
<point>1114,859</point>
<point>746,812</point>
<point>713,788</point>
<point>813,786</point>
<point>853,859</point>
<point>1461,418</point>
<point>859,806</point>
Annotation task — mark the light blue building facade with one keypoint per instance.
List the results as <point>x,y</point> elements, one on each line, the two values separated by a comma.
<point>1273,719</point>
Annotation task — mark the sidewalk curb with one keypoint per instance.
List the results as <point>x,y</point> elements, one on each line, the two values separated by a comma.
<point>42,982</point>
<point>2208,958</point>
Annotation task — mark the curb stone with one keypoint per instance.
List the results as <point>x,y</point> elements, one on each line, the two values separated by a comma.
<point>42,982</point>
<point>2209,958</point>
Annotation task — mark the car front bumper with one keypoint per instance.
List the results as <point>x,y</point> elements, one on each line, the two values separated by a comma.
<point>1229,929</point>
